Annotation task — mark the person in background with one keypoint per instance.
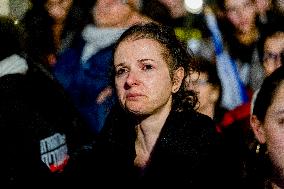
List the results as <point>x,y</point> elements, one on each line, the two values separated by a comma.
<point>271,52</point>
<point>241,36</point>
<point>157,11</point>
<point>41,132</point>
<point>207,84</point>
<point>268,15</point>
<point>267,125</point>
<point>264,8</point>
<point>17,167</point>
<point>241,39</point>
<point>236,123</point>
<point>51,26</point>
<point>84,69</point>
<point>278,6</point>
<point>178,12</point>
<point>154,135</point>
<point>273,46</point>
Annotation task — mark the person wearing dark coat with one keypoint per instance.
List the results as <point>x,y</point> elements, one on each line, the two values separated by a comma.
<point>42,135</point>
<point>154,136</point>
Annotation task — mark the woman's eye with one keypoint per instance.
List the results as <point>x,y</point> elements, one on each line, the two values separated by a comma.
<point>281,121</point>
<point>147,67</point>
<point>120,71</point>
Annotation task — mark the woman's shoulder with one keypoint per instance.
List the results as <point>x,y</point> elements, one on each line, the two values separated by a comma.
<point>192,124</point>
<point>196,118</point>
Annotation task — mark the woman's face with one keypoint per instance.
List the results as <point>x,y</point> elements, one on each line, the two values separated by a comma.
<point>111,13</point>
<point>58,9</point>
<point>142,80</point>
<point>273,129</point>
<point>241,13</point>
<point>207,93</point>
<point>273,47</point>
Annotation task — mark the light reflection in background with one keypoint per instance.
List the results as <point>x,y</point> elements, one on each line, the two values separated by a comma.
<point>193,6</point>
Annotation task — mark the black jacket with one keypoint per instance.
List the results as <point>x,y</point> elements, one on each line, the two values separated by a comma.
<point>188,153</point>
<point>41,132</point>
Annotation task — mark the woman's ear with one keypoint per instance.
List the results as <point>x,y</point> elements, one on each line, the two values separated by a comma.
<point>177,79</point>
<point>258,130</point>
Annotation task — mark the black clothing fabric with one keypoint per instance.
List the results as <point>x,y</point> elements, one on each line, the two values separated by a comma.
<point>34,109</point>
<point>188,153</point>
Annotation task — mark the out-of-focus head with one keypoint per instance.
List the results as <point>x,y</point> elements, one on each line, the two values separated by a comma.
<point>207,84</point>
<point>114,13</point>
<point>241,14</point>
<point>273,48</point>
<point>262,6</point>
<point>58,9</point>
<point>278,6</point>
<point>160,62</point>
<point>157,11</point>
<point>176,7</point>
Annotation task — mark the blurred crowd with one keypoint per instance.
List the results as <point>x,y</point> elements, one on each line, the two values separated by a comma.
<point>61,92</point>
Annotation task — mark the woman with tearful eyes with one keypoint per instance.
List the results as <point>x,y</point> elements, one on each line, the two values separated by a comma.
<point>154,135</point>
<point>267,122</point>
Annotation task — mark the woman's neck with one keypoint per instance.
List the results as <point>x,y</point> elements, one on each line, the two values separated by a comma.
<point>148,132</point>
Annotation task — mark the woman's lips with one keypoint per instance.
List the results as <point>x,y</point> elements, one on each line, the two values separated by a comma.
<point>133,96</point>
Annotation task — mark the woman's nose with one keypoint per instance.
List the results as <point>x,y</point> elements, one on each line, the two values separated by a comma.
<point>132,78</point>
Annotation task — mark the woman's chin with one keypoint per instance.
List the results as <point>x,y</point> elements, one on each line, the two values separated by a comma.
<point>135,111</point>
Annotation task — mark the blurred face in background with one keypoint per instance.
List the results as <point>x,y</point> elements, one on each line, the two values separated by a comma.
<point>241,13</point>
<point>273,47</point>
<point>279,5</point>
<point>262,6</point>
<point>111,13</point>
<point>58,9</point>
<point>207,94</point>
<point>176,7</point>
